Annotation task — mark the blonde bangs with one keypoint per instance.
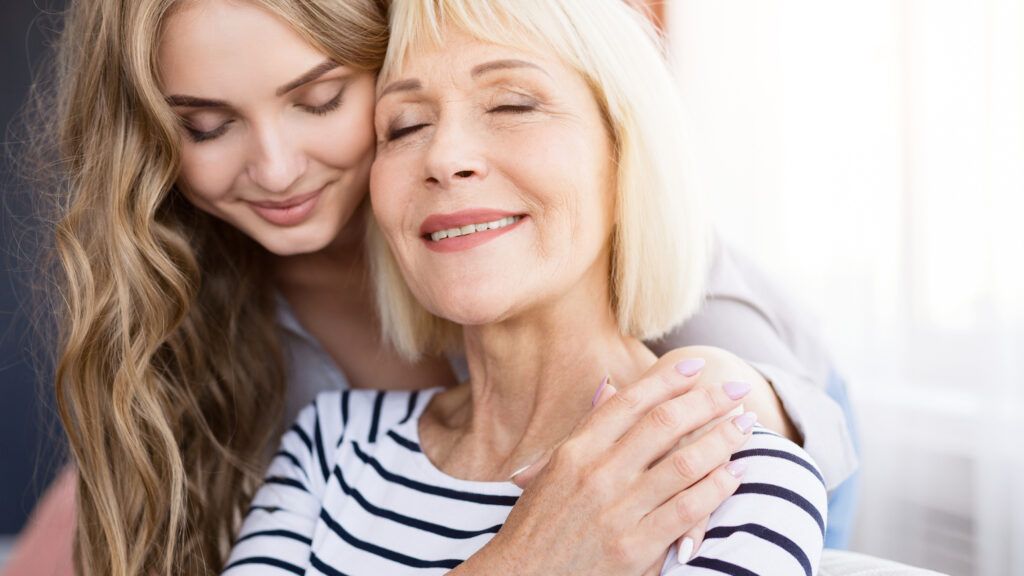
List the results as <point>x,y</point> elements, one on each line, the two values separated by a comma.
<point>503,22</point>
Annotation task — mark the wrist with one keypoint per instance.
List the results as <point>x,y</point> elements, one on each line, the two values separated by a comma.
<point>493,558</point>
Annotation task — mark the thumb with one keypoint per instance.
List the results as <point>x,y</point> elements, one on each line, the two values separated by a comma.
<point>525,475</point>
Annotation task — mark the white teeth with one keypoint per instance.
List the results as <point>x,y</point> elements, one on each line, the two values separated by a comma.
<point>473,228</point>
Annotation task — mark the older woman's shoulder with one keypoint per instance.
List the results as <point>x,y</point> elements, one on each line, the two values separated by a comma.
<point>776,460</point>
<point>773,524</point>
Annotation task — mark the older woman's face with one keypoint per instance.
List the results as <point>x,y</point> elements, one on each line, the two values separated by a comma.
<point>493,180</point>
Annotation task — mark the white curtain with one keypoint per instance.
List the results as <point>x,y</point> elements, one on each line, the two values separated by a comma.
<point>870,154</point>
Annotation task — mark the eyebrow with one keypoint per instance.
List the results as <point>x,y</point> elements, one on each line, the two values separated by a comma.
<point>196,102</point>
<point>413,84</point>
<point>510,64</point>
<point>314,73</point>
<point>409,85</point>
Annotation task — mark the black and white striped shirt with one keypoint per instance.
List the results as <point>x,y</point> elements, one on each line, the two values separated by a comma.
<point>351,493</point>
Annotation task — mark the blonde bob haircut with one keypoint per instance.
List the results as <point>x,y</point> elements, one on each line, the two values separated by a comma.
<point>660,240</point>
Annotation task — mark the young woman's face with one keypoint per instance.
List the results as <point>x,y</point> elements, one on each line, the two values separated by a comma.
<point>277,139</point>
<point>494,180</point>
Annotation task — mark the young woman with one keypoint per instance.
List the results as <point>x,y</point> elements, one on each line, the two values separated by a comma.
<point>531,207</point>
<point>214,159</point>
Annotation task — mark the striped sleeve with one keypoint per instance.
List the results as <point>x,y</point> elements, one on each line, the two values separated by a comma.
<point>775,522</point>
<point>276,534</point>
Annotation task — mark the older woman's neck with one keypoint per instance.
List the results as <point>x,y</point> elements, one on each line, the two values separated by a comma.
<point>532,380</point>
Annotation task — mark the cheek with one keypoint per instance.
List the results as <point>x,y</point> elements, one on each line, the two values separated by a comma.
<point>209,173</point>
<point>565,174</point>
<point>344,144</point>
<point>386,196</point>
<point>346,138</point>
<point>575,229</point>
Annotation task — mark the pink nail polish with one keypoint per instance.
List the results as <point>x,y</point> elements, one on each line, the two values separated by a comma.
<point>736,390</point>
<point>593,402</point>
<point>745,421</point>
<point>736,468</point>
<point>690,366</point>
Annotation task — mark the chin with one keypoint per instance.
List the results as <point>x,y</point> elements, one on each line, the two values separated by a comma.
<point>473,307</point>
<point>296,241</point>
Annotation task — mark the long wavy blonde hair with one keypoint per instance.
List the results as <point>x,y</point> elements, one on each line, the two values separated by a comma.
<point>169,381</point>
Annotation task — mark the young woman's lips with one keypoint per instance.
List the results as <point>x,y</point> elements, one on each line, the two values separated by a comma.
<point>290,212</point>
<point>461,220</point>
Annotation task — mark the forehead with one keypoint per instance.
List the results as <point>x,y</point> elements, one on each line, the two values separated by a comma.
<point>221,43</point>
<point>460,56</point>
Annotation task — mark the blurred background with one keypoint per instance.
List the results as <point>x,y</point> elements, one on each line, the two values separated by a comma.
<point>30,446</point>
<point>870,156</point>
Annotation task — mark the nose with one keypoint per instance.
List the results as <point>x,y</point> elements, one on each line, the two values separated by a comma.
<point>277,160</point>
<point>455,154</point>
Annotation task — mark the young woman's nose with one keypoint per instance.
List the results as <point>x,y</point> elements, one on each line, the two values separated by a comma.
<point>277,161</point>
<point>455,154</point>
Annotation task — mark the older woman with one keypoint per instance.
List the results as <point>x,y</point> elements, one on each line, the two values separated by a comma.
<point>527,193</point>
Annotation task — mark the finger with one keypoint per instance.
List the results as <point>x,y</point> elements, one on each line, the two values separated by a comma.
<point>607,392</point>
<point>655,569</point>
<point>600,389</point>
<point>661,429</point>
<point>672,375</point>
<point>524,476</point>
<point>686,465</point>
<point>689,544</point>
<point>684,511</point>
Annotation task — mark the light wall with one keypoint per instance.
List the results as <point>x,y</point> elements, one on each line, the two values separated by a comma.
<point>870,154</point>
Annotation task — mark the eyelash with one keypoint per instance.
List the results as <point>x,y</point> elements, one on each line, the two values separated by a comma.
<point>199,136</point>
<point>326,108</point>
<point>396,133</point>
<point>515,108</point>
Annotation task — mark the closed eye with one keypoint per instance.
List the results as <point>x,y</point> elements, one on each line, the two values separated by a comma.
<point>396,133</point>
<point>514,108</point>
<point>327,107</point>
<point>198,136</point>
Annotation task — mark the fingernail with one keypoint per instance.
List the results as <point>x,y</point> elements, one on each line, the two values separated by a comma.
<point>608,392</point>
<point>593,401</point>
<point>745,421</point>
<point>518,472</point>
<point>736,468</point>
<point>736,390</point>
<point>690,366</point>
<point>685,550</point>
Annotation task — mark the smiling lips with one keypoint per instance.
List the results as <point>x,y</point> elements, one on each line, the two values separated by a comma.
<point>466,229</point>
<point>290,212</point>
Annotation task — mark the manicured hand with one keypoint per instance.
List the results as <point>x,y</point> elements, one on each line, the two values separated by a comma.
<point>620,490</point>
